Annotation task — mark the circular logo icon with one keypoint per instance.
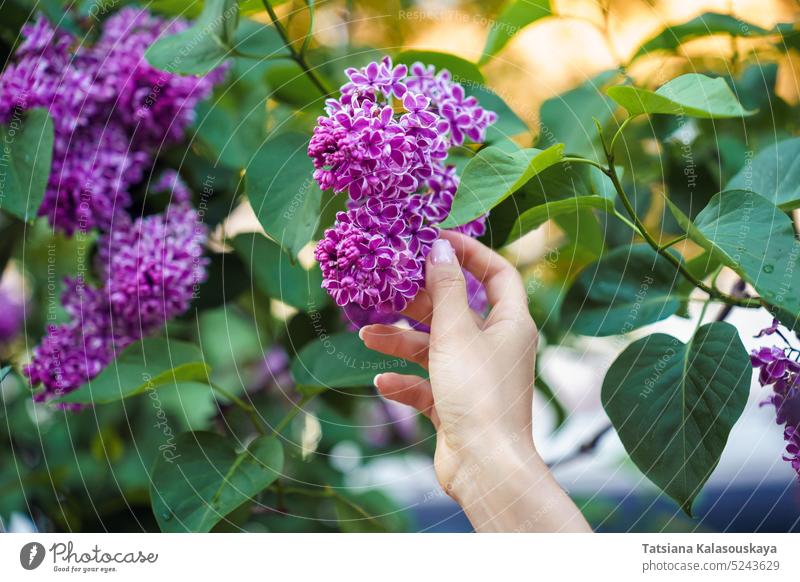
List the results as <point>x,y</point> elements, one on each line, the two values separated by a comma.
<point>31,555</point>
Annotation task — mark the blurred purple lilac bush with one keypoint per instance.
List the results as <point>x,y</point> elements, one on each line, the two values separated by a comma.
<point>195,222</point>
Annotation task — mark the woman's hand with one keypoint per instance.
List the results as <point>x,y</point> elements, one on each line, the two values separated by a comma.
<point>480,391</point>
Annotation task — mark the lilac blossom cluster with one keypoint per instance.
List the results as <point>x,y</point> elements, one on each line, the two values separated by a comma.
<point>149,268</point>
<point>111,111</point>
<point>778,370</point>
<point>385,143</point>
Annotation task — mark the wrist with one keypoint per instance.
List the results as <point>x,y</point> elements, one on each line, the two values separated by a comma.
<point>512,489</point>
<point>475,470</point>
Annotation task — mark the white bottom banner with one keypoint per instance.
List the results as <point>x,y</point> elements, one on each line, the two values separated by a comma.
<point>390,557</point>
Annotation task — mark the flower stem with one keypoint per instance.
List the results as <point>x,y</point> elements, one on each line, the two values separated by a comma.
<point>284,422</point>
<point>247,408</point>
<point>297,56</point>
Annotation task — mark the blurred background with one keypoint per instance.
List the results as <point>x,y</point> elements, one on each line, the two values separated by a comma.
<point>381,449</point>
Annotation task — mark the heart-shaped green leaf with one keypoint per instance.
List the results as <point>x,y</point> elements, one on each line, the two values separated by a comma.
<point>343,361</point>
<point>627,288</point>
<point>200,480</point>
<point>774,173</point>
<point>674,404</point>
<point>752,236</point>
<point>274,273</point>
<point>516,15</point>
<point>493,175</point>
<point>142,366</point>
<point>27,149</point>
<point>201,47</point>
<point>692,95</point>
<point>283,192</point>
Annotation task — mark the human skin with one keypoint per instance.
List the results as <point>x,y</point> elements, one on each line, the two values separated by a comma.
<point>480,391</point>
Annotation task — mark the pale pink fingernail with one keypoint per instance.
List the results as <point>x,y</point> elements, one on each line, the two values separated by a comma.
<point>442,252</point>
<point>375,380</point>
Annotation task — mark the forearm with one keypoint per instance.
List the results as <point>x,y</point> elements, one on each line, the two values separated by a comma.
<point>515,492</point>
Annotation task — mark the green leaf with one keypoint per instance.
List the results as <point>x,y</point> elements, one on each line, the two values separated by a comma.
<point>534,217</point>
<point>752,236</point>
<point>277,276</point>
<point>26,147</point>
<point>559,186</point>
<point>570,117</point>
<point>516,15</point>
<point>460,69</point>
<point>774,174</point>
<point>203,479</point>
<point>142,366</point>
<point>493,175</point>
<point>508,123</point>
<point>343,361</point>
<point>693,95</point>
<point>627,288</point>
<point>289,84</point>
<point>283,192</point>
<point>232,135</point>
<point>202,47</point>
<point>369,512</point>
<point>706,24</point>
<point>674,404</point>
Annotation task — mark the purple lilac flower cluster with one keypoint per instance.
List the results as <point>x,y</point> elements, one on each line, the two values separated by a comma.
<point>385,142</point>
<point>778,370</point>
<point>111,111</point>
<point>149,270</point>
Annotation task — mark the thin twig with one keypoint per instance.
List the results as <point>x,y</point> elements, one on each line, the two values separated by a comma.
<point>584,449</point>
<point>611,172</point>
<point>296,56</point>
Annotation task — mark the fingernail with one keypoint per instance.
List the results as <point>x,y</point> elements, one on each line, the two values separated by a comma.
<point>375,380</point>
<point>442,252</point>
<point>361,334</point>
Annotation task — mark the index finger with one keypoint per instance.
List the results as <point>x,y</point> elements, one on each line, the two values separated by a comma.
<point>503,283</point>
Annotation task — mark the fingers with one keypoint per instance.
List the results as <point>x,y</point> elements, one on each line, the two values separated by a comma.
<point>394,341</point>
<point>503,283</point>
<point>411,390</point>
<point>444,283</point>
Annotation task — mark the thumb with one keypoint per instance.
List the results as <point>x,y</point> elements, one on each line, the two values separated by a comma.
<point>447,288</point>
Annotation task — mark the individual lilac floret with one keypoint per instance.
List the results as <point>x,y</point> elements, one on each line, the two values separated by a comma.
<point>150,269</point>
<point>778,370</point>
<point>111,111</point>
